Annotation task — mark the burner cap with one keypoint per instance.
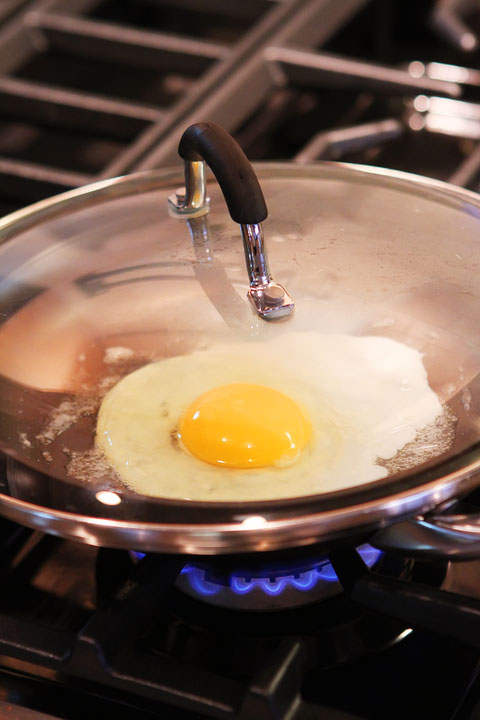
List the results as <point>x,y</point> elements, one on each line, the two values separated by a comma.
<point>264,588</point>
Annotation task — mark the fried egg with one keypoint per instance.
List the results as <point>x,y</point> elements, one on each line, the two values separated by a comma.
<point>296,415</point>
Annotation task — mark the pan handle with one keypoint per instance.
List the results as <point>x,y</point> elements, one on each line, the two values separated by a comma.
<point>231,167</point>
<point>244,197</point>
<point>450,537</point>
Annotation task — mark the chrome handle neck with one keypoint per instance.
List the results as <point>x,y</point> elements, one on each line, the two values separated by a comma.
<point>255,255</point>
<point>270,300</point>
<point>191,200</point>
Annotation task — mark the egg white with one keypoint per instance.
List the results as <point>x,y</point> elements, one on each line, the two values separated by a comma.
<point>366,397</point>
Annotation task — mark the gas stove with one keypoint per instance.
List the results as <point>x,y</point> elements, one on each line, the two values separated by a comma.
<point>85,630</point>
<point>95,88</point>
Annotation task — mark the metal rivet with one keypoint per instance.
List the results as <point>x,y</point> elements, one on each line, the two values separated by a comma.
<point>274,295</point>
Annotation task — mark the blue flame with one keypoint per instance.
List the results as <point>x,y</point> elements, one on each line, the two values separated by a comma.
<point>198,581</point>
<point>274,585</point>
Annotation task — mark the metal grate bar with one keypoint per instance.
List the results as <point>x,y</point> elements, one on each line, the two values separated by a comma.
<point>468,170</point>
<point>36,181</point>
<point>48,58</point>
<point>332,144</point>
<point>70,108</point>
<point>128,45</point>
<point>274,693</point>
<point>43,173</point>
<point>131,607</point>
<point>245,85</point>
<point>106,649</point>
<point>193,106</point>
<point>31,642</point>
<point>239,95</point>
<point>319,69</point>
<point>9,7</point>
<point>278,68</point>
<point>446,18</point>
<point>149,676</point>
<point>170,681</point>
<point>447,613</point>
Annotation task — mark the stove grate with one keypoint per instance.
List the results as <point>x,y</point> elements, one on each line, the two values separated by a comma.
<point>114,646</point>
<point>87,87</point>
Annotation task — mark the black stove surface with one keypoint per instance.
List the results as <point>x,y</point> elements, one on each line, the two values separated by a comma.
<point>86,630</point>
<point>382,121</point>
<point>101,87</point>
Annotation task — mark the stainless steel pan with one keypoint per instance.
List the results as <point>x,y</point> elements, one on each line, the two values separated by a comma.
<point>132,262</point>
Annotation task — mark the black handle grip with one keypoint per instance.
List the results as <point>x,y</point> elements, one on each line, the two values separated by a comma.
<point>231,167</point>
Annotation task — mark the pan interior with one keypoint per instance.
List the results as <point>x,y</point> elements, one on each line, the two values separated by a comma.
<point>94,288</point>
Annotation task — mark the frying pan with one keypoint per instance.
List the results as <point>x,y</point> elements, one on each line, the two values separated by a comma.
<point>99,281</point>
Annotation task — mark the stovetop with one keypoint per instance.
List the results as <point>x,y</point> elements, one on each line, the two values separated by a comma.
<point>95,88</point>
<point>87,630</point>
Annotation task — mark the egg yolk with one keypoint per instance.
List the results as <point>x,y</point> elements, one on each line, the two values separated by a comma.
<point>244,426</point>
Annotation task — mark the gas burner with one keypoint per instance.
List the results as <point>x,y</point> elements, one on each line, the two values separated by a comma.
<point>263,587</point>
